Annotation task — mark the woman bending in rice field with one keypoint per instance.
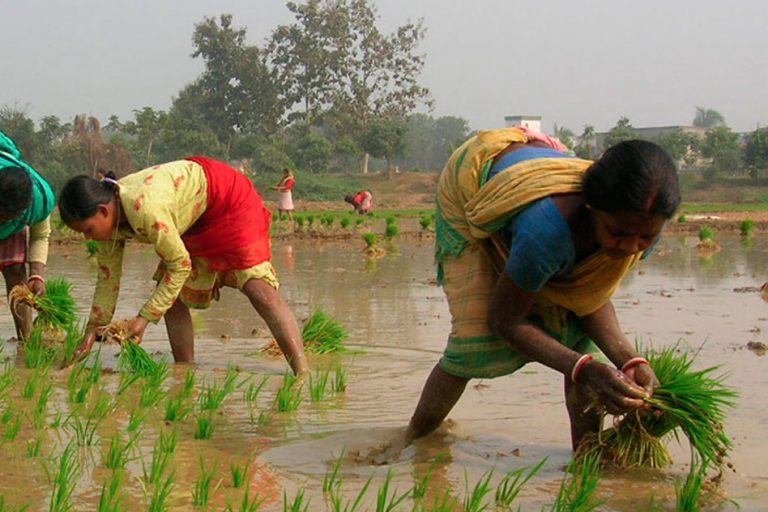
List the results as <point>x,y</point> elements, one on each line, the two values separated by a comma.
<point>209,227</point>
<point>531,245</point>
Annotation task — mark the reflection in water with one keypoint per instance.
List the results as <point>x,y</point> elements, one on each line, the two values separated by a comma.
<point>398,319</point>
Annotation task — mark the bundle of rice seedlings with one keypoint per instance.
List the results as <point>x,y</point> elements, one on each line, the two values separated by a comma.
<point>322,334</point>
<point>132,357</point>
<point>691,401</point>
<point>56,309</point>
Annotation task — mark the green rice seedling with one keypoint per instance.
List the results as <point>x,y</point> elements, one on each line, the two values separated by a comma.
<point>211,397</point>
<point>322,334</point>
<point>682,219</point>
<point>359,221</point>
<point>310,220</point>
<point>135,359</point>
<point>111,500</point>
<point>74,334</point>
<point>386,502</point>
<point>238,473</point>
<point>693,401</point>
<point>204,426</point>
<point>84,430</point>
<point>421,484</point>
<point>117,454</point>
<point>444,501</point>
<point>332,480</point>
<point>370,240</point>
<point>689,492</point>
<point>9,508</point>
<point>151,393</point>
<point>126,381</point>
<point>203,491</point>
<point>158,501</point>
<point>7,415</point>
<point>247,504</point>
<point>340,379</point>
<point>344,222</point>
<point>7,377</point>
<point>188,386</point>
<point>37,352</point>
<point>264,418</point>
<point>390,220</point>
<point>474,499</point>
<point>168,441</point>
<point>253,390</point>
<point>158,466</point>
<point>91,247</point>
<point>297,505</point>
<point>177,408</point>
<point>577,489</point>
<point>746,227</point>
<point>56,309</point>
<point>30,386</point>
<point>81,380</point>
<point>57,420</point>
<point>299,220</point>
<point>13,428</point>
<point>318,385</point>
<point>706,233</point>
<point>34,446</point>
<point>41,407</point>
<point>65,480</point>
<point>135,419</point>
<point>391,231</point>
<point>509,488</point>
<point>288,396</point>
<point>102,408</point>
<point>425,223</point>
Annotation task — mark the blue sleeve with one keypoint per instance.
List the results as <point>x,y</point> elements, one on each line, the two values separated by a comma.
<point>541,246</point>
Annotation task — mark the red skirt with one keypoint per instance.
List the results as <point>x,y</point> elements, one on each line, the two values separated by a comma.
<point>233,232</point>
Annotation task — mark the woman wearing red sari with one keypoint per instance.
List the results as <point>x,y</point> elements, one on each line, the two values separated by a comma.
<point>209,227</point>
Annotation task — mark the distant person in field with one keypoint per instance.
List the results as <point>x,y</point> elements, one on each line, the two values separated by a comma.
<point>285,201</point>
<point>209,227</point>
<point>26,203</point>
<point>362,202</point>
<point>531,244</point>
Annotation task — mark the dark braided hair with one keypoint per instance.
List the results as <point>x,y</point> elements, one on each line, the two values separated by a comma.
<point>82,196</point>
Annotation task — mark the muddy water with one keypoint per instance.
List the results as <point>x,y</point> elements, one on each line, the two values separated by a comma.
<point>398,321</point>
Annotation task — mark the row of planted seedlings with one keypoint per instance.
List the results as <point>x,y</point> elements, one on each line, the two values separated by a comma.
<point>88,432</point>
<point>119,421</point>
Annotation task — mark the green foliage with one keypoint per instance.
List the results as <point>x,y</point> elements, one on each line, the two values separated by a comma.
<point>708,118</point>
<point>746,227</point>
<point>288,396</point>
<point>619,133</point>
<point>318,384</point>
<point>682,219</point>
<point>391,231</point>
<point>65,480</point>
<point>204,426</point>
<point>706,233</point>
<point>239,473</point>
<point>756,151</point>
<point>721,145</point>
<point>577,490</point>
<point>370,239</point>
<point>322,334</point>
<point>474,498</point>
<point>201,494</point>
<point>111,500</point>
<point>509,487</point>
<point>135,359</point>
<point>689,492</point>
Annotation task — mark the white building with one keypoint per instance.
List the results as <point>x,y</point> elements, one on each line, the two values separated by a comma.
<point>530,122</point>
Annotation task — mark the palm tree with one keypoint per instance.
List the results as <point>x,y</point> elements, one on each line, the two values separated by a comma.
<point>708,118</point>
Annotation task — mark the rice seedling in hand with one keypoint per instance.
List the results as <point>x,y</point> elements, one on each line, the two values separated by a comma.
<point>509,487</point>
<point>288,396</point>
<point>689,400</point>
<point>577,489</point>
<point>65,480</point>
<point>134,358</point>
<point>322,334</point>
<point>202,493</point>
<point>56,308</point>
<point>386,502</point>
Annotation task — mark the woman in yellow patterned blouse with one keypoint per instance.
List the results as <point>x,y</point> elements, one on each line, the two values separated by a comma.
<point>209,227</point>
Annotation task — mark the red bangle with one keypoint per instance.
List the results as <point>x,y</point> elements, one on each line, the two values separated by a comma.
<point>635,361</point>
<point>36,277</point>
<point>578,366</point>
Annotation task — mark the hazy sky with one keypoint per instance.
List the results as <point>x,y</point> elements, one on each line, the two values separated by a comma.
<point>572,62</point>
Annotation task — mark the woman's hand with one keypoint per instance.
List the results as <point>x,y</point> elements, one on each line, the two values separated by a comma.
<point>617,392</point>
<point>85,347</point>
<point>643,375</point>
<point>36,286</point>
<point>136,328</point>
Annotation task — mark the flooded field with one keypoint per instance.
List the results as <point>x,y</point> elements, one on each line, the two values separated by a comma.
<point>398,322</point>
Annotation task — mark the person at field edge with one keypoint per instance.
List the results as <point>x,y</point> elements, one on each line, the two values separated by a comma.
<point>25,227</point>
<point>285,201</point>
<point>362,202</point>
<point>531,245</point>
<point>210,228</point>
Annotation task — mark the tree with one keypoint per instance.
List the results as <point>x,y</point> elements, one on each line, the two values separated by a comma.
<point>564,135</point>
<point>619,133</point>
<point>756,151</point>
<point>586,147</point>
<point>721,145</point>
<point>708,118</point>
<point>311,152</point>
<point>19,127</point>
<point>430,141</point>
<point>681,146</point>
<point>147,126</point>
<point>385,139</point>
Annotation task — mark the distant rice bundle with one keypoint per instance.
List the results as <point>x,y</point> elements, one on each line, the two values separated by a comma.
<point>693,401</point>
<point>56,309</point>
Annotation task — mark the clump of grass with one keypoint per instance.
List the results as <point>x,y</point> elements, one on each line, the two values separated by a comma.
<point>682,219</point>
<point>177,408</point>
<point>201,494</point>
<point>322,334</point>
<point>162,490</point>
<point>706,233</point>
<point>111,500</point>
<point>425,222</point>
<point>297,505</point>
<point>56,309</point>
<point>117,454</point>
<point>386,502</point>
<point>238,473</point>
<point>707,241</point>
<point>204,426</point>
<point>38,352</point>
<point>211,397</point>
<point>34,447</point>
<point>340,379</point>
<point>747,227</point>
<point>509,488</point>
<point>344,222</point>
<point>318,384</point>
<point>253,390</point>
<point>577,490</point>
<point>12,428</point>
<point>135,359</point>
<point>288,396</point>
<point>91,247</point>
<point>299,220</point>
<point>247,504</point>
<point>692,401</point>
<point>372,245</point>
<point>474,498</point>
<point>65,480</point>
<point>391,231</point>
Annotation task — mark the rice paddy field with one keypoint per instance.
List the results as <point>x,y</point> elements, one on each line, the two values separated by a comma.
<point>235,432</point>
